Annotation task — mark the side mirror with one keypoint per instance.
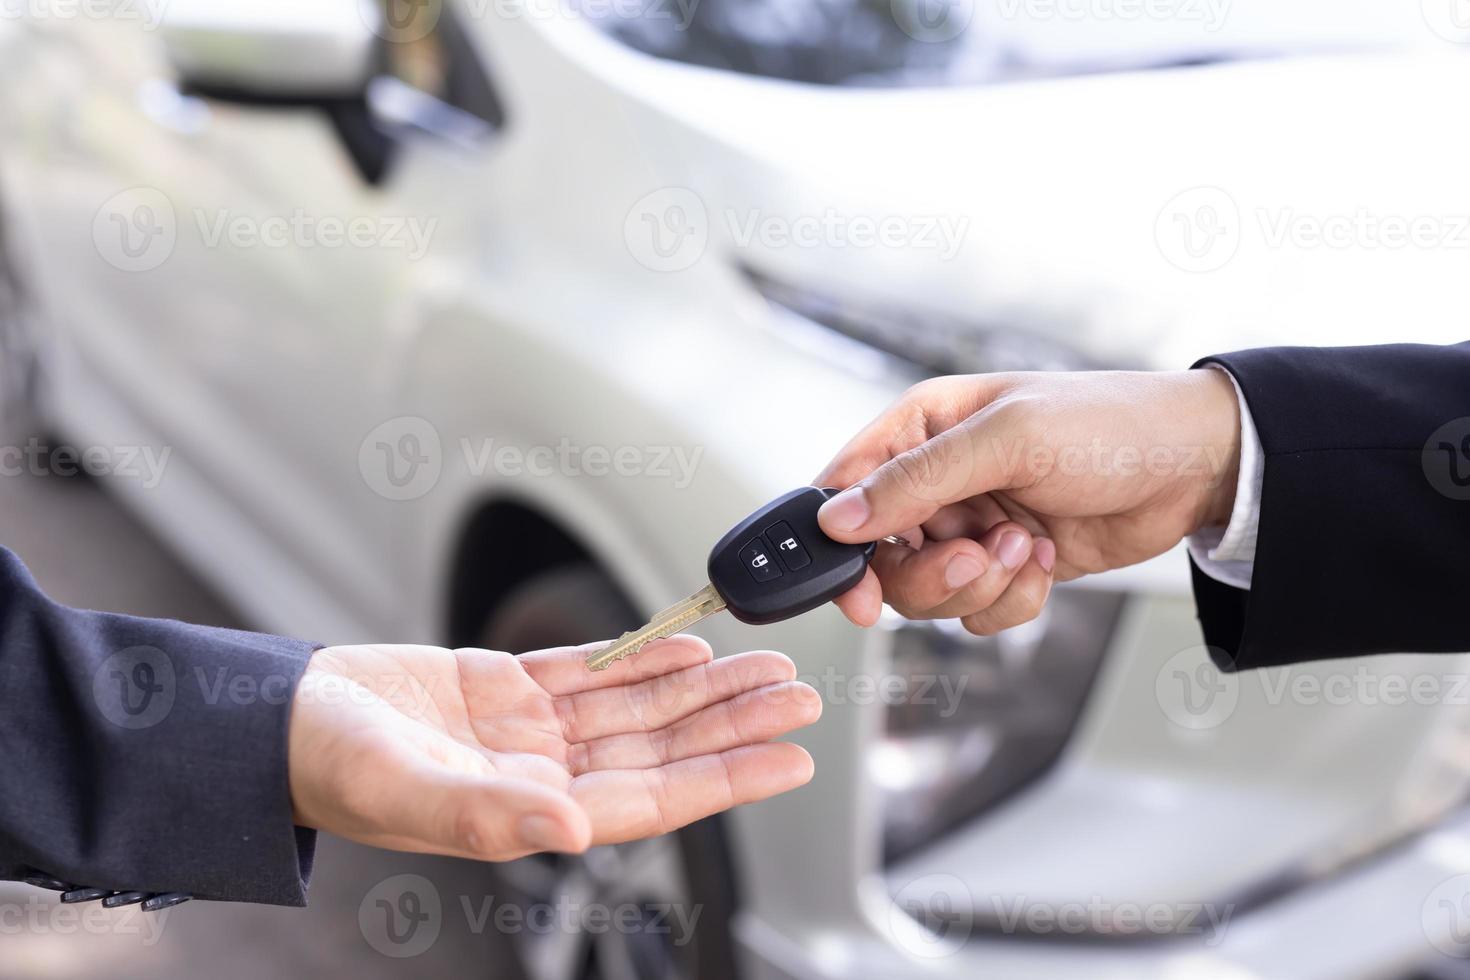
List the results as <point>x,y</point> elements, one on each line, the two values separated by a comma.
<point>273,50</point>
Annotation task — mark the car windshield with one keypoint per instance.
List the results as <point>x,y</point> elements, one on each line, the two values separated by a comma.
<point>959,42</point>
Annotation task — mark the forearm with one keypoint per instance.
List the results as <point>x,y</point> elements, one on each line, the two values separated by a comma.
<point>146,754</point>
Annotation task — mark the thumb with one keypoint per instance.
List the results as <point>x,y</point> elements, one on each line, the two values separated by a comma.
<point>911,487</point>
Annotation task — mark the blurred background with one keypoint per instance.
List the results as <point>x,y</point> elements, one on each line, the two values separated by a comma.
<point>477,322</point>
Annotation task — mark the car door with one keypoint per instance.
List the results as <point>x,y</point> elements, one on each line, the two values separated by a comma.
<point>259,253</point>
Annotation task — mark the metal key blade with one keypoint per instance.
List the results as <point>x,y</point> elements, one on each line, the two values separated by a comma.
<point>679,616</point>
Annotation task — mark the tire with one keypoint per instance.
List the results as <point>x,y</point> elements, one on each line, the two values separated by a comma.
<point>566,606</point>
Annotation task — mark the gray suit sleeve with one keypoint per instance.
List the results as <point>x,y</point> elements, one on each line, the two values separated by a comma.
<point>146,755</point>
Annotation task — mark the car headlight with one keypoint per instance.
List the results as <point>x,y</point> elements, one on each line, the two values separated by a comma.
<point>981,716</point>
<point>932,342</point>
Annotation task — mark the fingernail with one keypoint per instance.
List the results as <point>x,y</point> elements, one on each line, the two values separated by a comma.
<point>847,511</point>
<point>962,570</point>
<point>1046,553</point>
<point>541,832</point>
<point>1012,549</point>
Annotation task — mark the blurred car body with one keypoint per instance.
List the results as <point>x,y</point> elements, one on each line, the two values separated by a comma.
<point>571,246</point>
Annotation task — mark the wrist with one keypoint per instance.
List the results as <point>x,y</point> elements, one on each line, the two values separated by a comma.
<point>1215,406</point>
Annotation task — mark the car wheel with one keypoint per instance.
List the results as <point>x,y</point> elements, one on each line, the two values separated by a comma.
<point>658,909</point>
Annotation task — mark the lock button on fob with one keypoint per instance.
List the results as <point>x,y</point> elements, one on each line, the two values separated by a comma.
<point>756,558</point>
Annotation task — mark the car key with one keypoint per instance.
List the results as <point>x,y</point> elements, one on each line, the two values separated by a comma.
<point>772,566</point>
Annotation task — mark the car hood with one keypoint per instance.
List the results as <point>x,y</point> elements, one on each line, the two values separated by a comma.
<point>1147,218</point>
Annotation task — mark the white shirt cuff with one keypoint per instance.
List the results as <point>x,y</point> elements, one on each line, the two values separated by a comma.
<point>1228,554</point>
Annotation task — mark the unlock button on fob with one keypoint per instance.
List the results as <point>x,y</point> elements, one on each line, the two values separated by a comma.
<point>788,546</point>
<point>758,561</point>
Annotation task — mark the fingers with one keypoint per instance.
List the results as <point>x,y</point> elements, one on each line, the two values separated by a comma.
<point>1000,581</point>
<point>563,671</point>
<point>925,410</point>
<point>1008,546</point>
<point>1020,603</point>
<point>754,716</point>
<point>930,450</point>
<point>659,701</point>
<point>915,581</point>
<point>628,804</point>
<point>863,603</point>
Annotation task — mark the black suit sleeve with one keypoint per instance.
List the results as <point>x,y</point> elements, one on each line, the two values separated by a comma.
<point>1364,539</point>
<point>143,754</point>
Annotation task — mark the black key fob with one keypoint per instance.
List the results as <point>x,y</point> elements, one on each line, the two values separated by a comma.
<point>777,563</point>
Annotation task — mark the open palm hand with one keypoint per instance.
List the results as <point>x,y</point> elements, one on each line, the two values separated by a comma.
<point>482,754</point>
